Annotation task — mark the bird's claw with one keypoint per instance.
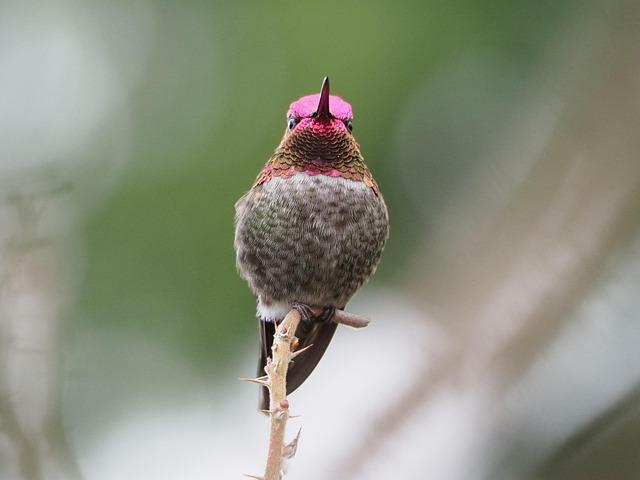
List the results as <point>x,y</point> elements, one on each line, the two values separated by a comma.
<point>308,315</point>
<point>305,311</point>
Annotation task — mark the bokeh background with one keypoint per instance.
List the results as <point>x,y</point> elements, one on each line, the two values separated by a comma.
<point>505,333</point>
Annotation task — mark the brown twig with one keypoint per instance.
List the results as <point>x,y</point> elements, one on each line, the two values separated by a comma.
<point>345,318</point>
<point>284,343</point>
<point>282,352</point>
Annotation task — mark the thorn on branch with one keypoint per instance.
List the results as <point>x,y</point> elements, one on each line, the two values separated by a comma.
<point>264,381</point>
<point>291,448</point>
<point>298,352</point>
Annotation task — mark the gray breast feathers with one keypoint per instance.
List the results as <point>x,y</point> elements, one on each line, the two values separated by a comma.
<point>312,239</point>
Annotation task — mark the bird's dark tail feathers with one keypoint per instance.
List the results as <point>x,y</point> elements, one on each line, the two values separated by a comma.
<point>317,334</point>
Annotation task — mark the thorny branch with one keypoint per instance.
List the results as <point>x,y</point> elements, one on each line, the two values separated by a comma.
<point>283,351</point>
<point>284,343</point>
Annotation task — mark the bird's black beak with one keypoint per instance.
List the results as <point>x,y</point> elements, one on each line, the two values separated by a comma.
<point>323,112</point>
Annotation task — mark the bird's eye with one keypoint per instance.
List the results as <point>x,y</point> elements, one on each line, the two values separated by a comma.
<point>349,125</point>
<point>291,122</point>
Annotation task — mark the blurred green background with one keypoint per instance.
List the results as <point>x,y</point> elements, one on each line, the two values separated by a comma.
<point>503,135</point>
<point>209,108</point>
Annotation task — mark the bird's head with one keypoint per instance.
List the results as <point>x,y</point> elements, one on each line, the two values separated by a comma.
<point>318,141</point>
<point>319,127</point>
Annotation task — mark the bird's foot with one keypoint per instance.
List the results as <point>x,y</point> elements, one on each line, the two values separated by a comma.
<point>308,314</point>
<point>305,311</point>
<point>326,315</point>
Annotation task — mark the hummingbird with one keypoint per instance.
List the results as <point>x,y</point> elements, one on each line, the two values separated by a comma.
<point>311,230</point>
